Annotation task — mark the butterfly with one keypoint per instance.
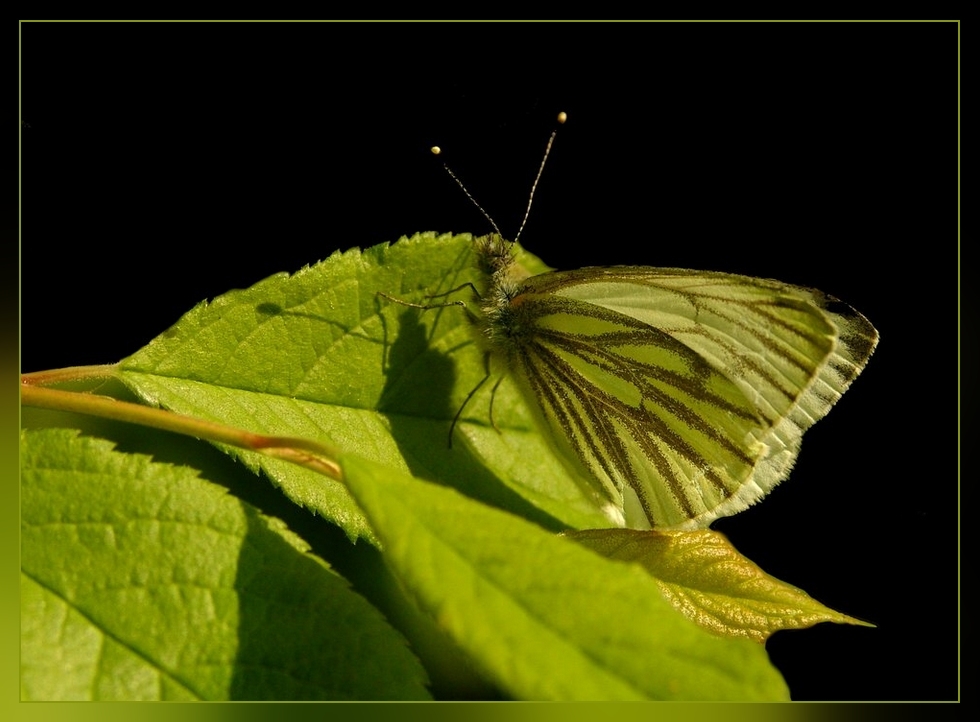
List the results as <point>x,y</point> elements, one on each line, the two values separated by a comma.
<point>681,395</point>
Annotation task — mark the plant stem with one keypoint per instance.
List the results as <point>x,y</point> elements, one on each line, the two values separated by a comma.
<point>69,373</point>
<point>305,452</point>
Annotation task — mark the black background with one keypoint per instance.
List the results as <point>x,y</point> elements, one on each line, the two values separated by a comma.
<point>167,163</point>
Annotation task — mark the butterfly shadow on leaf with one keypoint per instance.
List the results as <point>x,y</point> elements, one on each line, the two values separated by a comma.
<point>417,401</point>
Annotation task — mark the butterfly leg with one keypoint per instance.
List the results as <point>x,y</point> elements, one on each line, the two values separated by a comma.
<point>452,427</point>
<point>493,395</point>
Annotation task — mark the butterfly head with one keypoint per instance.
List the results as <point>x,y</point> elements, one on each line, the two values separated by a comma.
<point>494,254</point>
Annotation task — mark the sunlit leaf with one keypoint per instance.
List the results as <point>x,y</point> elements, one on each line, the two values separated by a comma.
<point>541,616</point>
<point>142,581</point>
<point>708,581</point>
<point>318,354</point>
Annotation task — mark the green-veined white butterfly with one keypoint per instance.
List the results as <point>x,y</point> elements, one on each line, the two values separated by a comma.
<point>682,395</point>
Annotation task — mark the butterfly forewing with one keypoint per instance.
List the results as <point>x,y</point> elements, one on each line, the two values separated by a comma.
<point>684,393</point>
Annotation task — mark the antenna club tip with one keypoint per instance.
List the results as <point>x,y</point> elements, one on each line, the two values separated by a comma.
<point>562,117</point>
<point>436,150</point>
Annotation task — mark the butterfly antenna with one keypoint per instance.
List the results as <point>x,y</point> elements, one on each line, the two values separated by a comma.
<point>562,117</point>
<point>436,150</point>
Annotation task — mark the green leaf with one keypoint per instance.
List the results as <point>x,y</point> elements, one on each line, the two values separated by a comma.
<point>543,617</point>
<point>319,354</point>
<point>708,581</point>
<point>141,581</point>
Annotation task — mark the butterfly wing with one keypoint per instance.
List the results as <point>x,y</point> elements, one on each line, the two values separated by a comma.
<point>683,394</point>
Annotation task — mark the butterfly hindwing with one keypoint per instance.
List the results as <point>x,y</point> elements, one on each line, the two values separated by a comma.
<point>683,393</point>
